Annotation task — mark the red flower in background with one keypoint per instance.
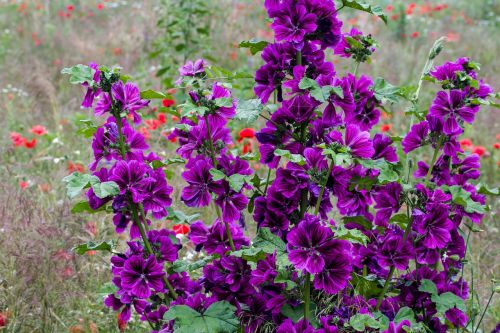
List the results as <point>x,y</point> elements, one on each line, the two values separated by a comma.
<point>175,118</point>
<point>385,127</point>
<point>23,184</point>
<point>30,144</point>
<point>168,102</point>
<point>38,130</point>
<point>16,139</point>
<point>480,150</point>
<point>162,118</point>
<point>466,143</point>
<point>100,6</point>
<point>75,167</point>
<point>3,319</point>
<point>152,124</point>
<point>247,133</point>
<point>496,145</point>
<point>70,8</point>
<point>181,229</point>
<point>415,34</point>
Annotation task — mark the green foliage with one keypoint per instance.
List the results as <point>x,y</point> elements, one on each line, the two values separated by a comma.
<point>386,92</point>
<point>189,266</point>
<point>151,94</point>
<point>295,158</point>
<point>219,317</point>
<point>321,94</point>
<point>360,322</point>
<point>253,45</point>
<point>249,110</point>
<point>389,172</point>
<point>92,246</point>
<point>84,207</point>
<point>372,9</point>
<point>463,198</point>
<point>79,74</point>
<point>178,216</point>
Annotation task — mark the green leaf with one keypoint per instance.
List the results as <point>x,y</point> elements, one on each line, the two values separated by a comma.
<point>268,241</point>
<point>483,189</point>
<point>361,321</point>
<point>76,182</point>
<point>295,158</point>
<point>178,216</point>
<point>86,127</point>
<point>151,94</point>
<point>254,45</point>
<point>427,286</point>
<point>360,220</point>
<point>84,207</point>
<point>105,189</point>
<point>385,92</point>
<point>253,254</point>
<point>388,172</point>
<point>372,9</point>
<point>79,74</point>
<point>352,235</point>
<point>447,301</point>
<point>463,198</point>
<point>92,246</point>
<point>217,174</point>
<point>237,181</point>
<point>225,102</point>
<point>185,266</point>
<point>249,110</point>
<point>405,313</point>
<point>219,317</point>
<point>400,219</point>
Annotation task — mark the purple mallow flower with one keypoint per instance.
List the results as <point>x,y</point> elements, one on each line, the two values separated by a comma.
<point>139,276</point>
<point>310,245</point>
<point>129,96</point>
<point>293,22</point>
<point>454,109</point>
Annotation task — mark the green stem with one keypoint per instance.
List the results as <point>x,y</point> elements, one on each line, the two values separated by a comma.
<point>322,190</point>
<point>299,58</point>
<point>386,286</point>
<point>484,312</point>
<point>267,180</point>
<point>217,210</point>
<point>307,295</point>
<point>356,67</point>
<point>434,158</point>
<point>133,208</point>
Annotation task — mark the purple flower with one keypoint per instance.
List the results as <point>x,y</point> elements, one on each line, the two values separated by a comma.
<point>395,252</point>
<point>416,137</point>
<point>290,180</point>
<point>384,149</point>
<point>453,108</point>
<point>197,193</point>
<point>139,276</point>
<point>302,326</point>
<point>337,270</point>
<point>214,239</point>
<point>301,107</point>
<point>398,328</point>
<point>293,22</point>
<point>343,48</point>
<point>163,241</point>
<point>456,317</point>
<point>310,244</point>
<point>218,92</point>
<point>386,202</point>
<point>129,96</point>
<point>230,201</point>
<point>92,92</point>
<point>434,226</point>
<point>358,141</point>
<point>131,177</point>
<point>193,69</point>
<point>265,271</point>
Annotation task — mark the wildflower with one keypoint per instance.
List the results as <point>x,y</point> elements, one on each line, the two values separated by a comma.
<point>193,69</point>
<point>246,133</point>
<point>100,6</point>
<point>38,130</point>
<point>415,34</point>
<point>434,226</point>
<point>496,145</point>
<point>310,244</point>
<point>129,96</point>
<point>385,127</point>
<point>181,229</point>
<point>139,276</point>
<point>453,108</point>
<point>23,184</point>
<point>17,139</point>
<point>356,140</point>
<point>415,138</point>
<point>129,175</point>
<point>480,150</point>
<point>200,182</point>
<point>293,22</point>
<point>30,144</point>
<point>168,102</point>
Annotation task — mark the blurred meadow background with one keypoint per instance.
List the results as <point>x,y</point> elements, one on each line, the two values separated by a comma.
<point>45,135</point>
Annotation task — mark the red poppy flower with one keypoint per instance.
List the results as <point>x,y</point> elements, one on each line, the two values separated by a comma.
<point>247,133</point>
<point>480,150</point>
<point>415,34</point>
<point>38,130</point>
<point>23,185</point>
<point>162,118</point>
<point>16,139</point>
<point>466,143</point>
<point>181,229</point>
<point>145,132</point>
<point>168,102</point>
<point>385,127</point>
<point>389,8</point>
<point>175,118</point>
<point>30,144</point>
<point>70,8</point>
<point>100,6</point>
<point>496,145</point>
<point>152,124</point>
